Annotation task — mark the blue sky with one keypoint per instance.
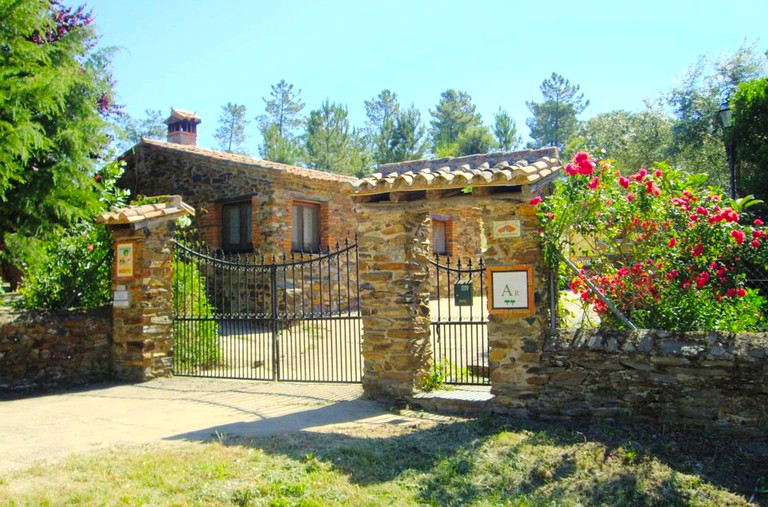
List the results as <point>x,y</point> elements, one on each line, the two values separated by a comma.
<point>198,55</point>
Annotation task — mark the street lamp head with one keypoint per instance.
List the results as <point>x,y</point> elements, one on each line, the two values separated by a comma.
<point>725,114</point>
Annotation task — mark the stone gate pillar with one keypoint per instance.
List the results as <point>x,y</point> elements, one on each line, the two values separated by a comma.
<point>517,341</point>
<point>142,310</point>
<point>394,299</point>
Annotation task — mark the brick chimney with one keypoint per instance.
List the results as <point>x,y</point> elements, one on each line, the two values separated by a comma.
<point>182,127</point>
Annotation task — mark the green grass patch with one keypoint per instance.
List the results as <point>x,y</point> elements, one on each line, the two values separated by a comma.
<point>483,462</point>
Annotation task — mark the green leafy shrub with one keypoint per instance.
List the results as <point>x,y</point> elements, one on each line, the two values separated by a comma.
<point>668,251</point>
<point>195,331</point>
<point>71,269</point>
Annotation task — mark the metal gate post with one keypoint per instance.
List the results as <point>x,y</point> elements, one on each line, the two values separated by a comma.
<point>275,323</point>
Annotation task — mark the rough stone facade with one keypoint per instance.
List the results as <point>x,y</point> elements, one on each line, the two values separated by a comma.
<point>142,333</point>
<point>706,379</point>
<point>208,180</point>
<point>142,310</point>
<point>394,211</point>
<point>394,300</point>
<point>43,350</point>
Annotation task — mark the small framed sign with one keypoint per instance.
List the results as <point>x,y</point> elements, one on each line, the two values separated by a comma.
<point>124,259</point>
<point>511,289</point>
<point>506,229</point>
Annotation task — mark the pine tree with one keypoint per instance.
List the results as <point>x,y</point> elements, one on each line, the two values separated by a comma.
<point>231,135</point>
<point>382,115</point>
<point>554,120</point>
<point>280,123</point>
<point>331,145</point>
<point>131,130</point>
<point>453,114</point>
<point>393,134</point>
<point>505,131</point>
<point>409,136</point>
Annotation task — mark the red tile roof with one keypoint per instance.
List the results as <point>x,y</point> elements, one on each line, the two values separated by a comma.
<point>493,169</point>
<point>171,207</point>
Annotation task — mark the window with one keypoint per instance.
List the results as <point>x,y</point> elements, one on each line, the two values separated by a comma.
<point>236,227</point>
<point>439,237</point>
<point>306,227</point>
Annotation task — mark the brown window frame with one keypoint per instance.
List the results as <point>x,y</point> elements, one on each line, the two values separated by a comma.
<point>445,246</point>
<point>298,227</point>
<point>245,243</point>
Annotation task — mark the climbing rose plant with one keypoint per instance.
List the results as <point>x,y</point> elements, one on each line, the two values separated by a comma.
<point>670,252</point>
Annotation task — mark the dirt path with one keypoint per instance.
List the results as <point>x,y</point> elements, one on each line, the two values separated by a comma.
<point>50,427</point>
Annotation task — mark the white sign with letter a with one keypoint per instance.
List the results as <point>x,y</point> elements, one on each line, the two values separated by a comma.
<point>511,289</point>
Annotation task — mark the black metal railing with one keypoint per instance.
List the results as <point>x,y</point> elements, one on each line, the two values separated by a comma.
<point>288,318</point>
<point>459,322</point>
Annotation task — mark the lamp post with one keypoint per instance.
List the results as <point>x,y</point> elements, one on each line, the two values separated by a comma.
<point>725,118</point>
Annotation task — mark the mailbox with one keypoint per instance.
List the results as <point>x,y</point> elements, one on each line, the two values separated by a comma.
<point>462,293</point>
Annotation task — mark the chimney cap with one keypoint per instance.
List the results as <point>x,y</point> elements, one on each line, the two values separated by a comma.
<point>178,115</point>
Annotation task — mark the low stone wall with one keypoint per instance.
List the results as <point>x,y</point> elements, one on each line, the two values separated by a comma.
<point>706,379</point>
<point>40,350</point>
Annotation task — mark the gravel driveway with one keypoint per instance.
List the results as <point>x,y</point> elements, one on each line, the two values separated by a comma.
<point>52,426</point>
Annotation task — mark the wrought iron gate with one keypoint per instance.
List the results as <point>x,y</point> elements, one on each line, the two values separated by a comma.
<point>239,316</point>
<point>459,322</point>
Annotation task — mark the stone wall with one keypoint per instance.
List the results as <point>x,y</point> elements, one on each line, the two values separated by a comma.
<point>709,379</point>
<point>142,333</point>
<point>40,350</point>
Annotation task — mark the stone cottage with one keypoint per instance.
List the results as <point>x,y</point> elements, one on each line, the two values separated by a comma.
<point>242,204</point>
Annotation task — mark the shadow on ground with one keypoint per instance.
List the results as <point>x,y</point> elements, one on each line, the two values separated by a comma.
<point>510,458</point>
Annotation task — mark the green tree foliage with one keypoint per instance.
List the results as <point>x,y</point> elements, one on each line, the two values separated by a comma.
<point>71,267</point>
<point>453,114</point>
<point>393,134</point>
<point>667,250</point>
<point>409,138</point>
<point>55,98</point>
<point>632,140</point>
<point>382,113</point>
<point>554,119</point>
<point>196,342</point>
<point>331,144</point>
<point>505,131</point>
<point>475,139</point>
<point>697,133</point>
<point>280,123</point>
<point>131,130</point>
<point>231,134</point>
<point>750,135</point>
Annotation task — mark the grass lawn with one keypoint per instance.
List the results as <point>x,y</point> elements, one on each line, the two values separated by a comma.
<point>446,461</point>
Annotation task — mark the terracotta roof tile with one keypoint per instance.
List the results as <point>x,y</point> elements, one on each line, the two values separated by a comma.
<point>178,114</point>
<point>529,167</point>
<point>172,207</point>
<point>246,161</point>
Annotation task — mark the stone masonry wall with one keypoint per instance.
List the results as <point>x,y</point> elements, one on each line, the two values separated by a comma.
<point>708,379</point>
<point>142,333</point>
<point>517,341</point>
<point>40,350</point>
<point>394,299</point>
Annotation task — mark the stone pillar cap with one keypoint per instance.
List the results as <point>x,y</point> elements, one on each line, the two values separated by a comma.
<point>166,207</point>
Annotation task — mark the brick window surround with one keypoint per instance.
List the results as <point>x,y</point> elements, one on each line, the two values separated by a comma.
<point>305,230</point>
<point>236,227</point>
<point>442,234</point>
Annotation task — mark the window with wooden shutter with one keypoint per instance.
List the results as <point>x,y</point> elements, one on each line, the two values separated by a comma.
<point>236,227</point>
<point>306,227</point>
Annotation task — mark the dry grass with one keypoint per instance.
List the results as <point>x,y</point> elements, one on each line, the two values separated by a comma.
<point>487,461</point>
